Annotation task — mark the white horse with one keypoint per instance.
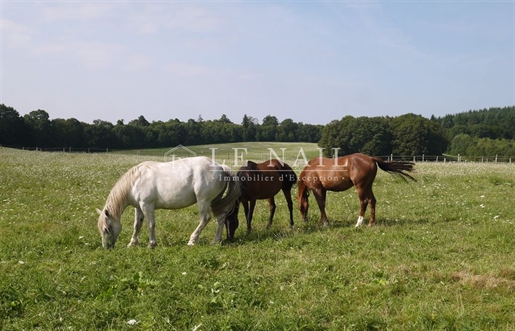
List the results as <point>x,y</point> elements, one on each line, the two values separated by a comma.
<point>169,185</point>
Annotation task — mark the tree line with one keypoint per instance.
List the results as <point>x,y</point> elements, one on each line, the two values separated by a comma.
<point>36,129</point>
<point>479,132</point>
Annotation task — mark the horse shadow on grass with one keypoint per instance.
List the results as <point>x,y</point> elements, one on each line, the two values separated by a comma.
<point>260,234</point>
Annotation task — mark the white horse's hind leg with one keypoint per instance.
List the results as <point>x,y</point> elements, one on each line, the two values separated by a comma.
<point>138,221</point>
<point>221,223</point>
<point>205,216</point>
<point>360,221</point>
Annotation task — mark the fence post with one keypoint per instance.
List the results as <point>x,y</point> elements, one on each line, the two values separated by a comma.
<point>459,158</point>
<point>495,158</point>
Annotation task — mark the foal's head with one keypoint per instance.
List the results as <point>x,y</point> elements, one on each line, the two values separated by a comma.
<point>109,228</point>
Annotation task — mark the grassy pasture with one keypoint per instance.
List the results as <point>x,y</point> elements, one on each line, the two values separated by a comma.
<point>236,153</point>
<point>440,258</point>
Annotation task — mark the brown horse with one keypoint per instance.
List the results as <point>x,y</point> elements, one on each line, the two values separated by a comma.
<point>263,181</point>
<point>339,174</point>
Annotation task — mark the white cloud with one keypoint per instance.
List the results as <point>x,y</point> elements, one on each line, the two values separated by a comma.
<point>137,62</point>
<point>188,69</point>
<point>97,55</point>
<point>172,16</point>
<point>76,11</point>
<point>15,34</point>
<point>51,49</point>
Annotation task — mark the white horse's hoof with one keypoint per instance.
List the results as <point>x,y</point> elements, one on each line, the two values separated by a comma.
<point>191,243</point>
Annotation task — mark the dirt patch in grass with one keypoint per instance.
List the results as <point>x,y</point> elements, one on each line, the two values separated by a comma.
<point>483,281</point>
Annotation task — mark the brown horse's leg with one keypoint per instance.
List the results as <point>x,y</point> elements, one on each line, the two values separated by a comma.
<point>287,195</point>
<point>320,195</point>
<point>245,204</point>
<point>249,215</point>
<point>372,203</point>
<point>366,197</point>
<point>271,204</point>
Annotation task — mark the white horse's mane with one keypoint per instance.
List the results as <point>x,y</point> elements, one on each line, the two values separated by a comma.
<point>115,203</point>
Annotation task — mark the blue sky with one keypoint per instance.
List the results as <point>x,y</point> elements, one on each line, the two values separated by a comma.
<point>310,61</point>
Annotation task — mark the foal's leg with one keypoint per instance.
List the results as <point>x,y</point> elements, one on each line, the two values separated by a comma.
<point>271,204</point>
<point>205,216</point>
<point>138,222</point>
<point>287,195</point>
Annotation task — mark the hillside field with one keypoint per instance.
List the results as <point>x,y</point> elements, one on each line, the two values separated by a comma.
<point>441,256</point>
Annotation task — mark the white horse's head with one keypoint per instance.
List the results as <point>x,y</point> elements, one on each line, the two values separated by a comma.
<point>109,228</point>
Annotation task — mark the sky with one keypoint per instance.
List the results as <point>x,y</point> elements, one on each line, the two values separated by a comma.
<point>309,61</point>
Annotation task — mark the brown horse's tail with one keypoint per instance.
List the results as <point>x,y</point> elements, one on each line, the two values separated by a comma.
<point>396,168</point>
<point>288,177</point>
<point>224,204</point>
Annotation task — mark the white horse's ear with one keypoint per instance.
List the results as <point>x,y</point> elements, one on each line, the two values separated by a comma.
<point>99,211</point>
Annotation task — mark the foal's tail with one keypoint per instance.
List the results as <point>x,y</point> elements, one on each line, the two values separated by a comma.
<point>225,204</point>
<point>396,168</point>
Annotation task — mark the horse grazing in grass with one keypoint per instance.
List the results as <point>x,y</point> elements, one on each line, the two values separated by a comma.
<point>263,181</point>
<point>170,185</point>
<point>339,174</point>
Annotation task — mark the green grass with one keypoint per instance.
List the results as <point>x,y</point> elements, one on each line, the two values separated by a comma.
<point>440,258</point>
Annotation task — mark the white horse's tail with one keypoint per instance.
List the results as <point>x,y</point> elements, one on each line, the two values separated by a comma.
<point>225,204</point>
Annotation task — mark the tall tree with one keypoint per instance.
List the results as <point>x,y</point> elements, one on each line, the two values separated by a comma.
<point>68,133</point>
<point>248,124</point>
<point>12,127</point>
<point>40,128</point>
<point>416,135</point>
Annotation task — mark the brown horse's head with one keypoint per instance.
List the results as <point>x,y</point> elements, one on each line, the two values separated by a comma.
<point>232,222</point>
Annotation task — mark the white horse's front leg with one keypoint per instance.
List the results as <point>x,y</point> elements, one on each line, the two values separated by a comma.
<point>138,221</point>
<point>148,211</point>
<point>360,221</point>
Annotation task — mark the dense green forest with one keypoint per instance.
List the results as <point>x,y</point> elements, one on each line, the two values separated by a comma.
<point>36,129</point>
<point>477,132</point>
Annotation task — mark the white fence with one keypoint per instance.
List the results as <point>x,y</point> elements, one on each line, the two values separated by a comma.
<point>449,158</point>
